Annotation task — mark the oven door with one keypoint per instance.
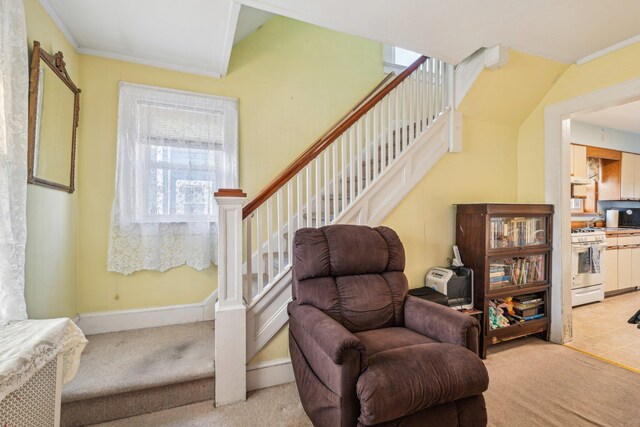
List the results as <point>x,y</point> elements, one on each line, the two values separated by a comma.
<point>582,265</point>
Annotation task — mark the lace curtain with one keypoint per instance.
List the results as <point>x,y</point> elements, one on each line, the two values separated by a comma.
<point>175,149</point>
<point>14,90</point>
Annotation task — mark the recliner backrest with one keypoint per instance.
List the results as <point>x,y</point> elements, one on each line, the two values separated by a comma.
<point>353,273</point>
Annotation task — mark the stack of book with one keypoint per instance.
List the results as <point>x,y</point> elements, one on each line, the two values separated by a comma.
<point>528,307</point>
<point>498,275</point>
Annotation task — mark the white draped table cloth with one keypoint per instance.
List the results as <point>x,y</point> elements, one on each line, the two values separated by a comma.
<point>28,345</point>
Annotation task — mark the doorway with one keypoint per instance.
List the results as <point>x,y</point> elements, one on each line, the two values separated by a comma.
<point>558,190</point>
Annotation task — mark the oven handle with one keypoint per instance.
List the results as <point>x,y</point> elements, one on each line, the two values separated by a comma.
<point>573,245</point>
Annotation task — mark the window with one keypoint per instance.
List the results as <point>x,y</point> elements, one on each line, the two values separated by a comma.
<point>175,149</point>
<point>182,149</point>
<point>397,59</point>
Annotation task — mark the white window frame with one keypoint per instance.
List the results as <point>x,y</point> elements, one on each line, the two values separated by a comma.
<point>389,60</point>
<point>141,214</point>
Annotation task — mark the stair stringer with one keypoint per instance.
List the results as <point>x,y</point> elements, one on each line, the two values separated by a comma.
<point>267,314</point>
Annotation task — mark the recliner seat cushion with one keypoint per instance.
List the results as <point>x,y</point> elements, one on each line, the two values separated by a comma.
<point>405,380</point>
<point>377,340</point>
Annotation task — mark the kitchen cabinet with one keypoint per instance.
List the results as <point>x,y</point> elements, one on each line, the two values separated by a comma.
<point>610,269</point>
<point>630,176</point>
<point>635,267</point>
<point>579,161</point>
<point>622,262</point>
<point>624,269</point>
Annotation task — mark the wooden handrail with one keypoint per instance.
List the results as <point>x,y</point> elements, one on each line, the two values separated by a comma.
<point>328,138</point>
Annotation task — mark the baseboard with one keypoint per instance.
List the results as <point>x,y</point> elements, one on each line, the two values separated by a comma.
<point>125,320</point>
<point>268,374</point>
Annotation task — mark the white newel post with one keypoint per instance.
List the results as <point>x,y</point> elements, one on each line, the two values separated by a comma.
<point>230,329</point>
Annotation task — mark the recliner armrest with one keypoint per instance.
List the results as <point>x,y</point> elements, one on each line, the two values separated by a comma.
<point>316,331</point>
<point>441,323</point>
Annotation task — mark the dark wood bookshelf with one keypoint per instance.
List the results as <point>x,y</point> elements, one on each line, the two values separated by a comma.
<point>508,247</point>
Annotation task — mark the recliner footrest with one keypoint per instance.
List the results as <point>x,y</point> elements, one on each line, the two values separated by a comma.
<point>405,380</point>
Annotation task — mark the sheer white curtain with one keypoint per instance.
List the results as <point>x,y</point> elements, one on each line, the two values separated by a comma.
<point>14,89</point>
<point>175,149</point>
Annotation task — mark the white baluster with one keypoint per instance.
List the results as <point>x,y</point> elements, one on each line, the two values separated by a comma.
<point>410,91</point>
<point>431,90</point>
<point>259,245</point>
<point>299,200</point>
<point>374,142</point>
<point>442,92</point>
<point>396,142</point>
<point>318,196</point>
<point>279,210</point>
<point>334,164</point>
<point>289,219</point>
<point>419,93</point>
<point>325,190</point>
<point>367,152</point>
<point>308,188</point>
<point>358,158</point>
<point>269,268</point>
<point>438,87</point>
<point>352,192</point>
<point>343,172</point>
<point>389,130</point>
<point>249,252</point>
<point>425,95</point>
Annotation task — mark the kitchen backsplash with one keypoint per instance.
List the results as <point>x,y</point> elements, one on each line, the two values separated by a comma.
<point>629,212</point>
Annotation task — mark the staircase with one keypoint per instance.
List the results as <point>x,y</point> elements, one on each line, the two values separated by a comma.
<point>356,173</point>
<point>133,372</point>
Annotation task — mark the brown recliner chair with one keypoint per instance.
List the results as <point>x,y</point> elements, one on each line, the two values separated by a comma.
<point>366,353</point>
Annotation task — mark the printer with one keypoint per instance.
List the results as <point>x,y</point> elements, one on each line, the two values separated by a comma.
<point>456,283</point>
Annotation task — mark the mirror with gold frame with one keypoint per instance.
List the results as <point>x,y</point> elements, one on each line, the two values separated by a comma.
<point>54,104</point>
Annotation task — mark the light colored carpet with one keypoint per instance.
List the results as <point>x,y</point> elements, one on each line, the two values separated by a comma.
<point>143,358</point>
<point>532,383</point>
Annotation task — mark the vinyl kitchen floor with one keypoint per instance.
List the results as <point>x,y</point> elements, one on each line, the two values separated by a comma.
<point>601,329</point>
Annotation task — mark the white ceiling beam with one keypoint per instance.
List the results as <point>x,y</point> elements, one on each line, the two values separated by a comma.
<point>232,24</point>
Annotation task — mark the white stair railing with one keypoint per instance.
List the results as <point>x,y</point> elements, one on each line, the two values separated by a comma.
<point>333,174</point>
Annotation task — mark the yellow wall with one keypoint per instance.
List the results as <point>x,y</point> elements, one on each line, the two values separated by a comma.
<point>51,255</point>
<point>293,80</point>
<point>485,171</point>
<point>425,220</point>
<point>606,71</point>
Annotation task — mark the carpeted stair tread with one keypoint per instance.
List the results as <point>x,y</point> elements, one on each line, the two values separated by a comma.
<point>130,361</point>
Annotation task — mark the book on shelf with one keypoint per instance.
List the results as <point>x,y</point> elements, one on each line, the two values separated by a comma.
<point>527,298</point>
<point>529,304</point>
<point>506,232</point>
<point>527,318</point>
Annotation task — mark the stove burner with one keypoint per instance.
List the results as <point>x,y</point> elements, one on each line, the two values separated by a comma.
<point>585,230</point>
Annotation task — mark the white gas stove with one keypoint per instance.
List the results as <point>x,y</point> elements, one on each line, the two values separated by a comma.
<point>587,266</point>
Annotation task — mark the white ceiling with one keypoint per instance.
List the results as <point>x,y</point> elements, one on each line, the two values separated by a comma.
<point>197,35</point>
<point>194,36</point>
<point>451,30</point>
<point>250,19</point>
<point>622,117</point>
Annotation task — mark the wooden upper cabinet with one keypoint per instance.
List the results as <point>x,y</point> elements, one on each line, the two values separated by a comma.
<point>629,175</point>
<point>636,177</point>
<point>578,161</point>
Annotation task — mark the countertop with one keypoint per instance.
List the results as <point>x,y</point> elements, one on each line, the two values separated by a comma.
<point>614,232</point>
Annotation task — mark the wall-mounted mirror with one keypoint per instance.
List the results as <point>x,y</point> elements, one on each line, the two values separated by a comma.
<point>54,104</point>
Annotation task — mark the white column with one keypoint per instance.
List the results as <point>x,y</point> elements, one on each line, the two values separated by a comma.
<point>231,329</point>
